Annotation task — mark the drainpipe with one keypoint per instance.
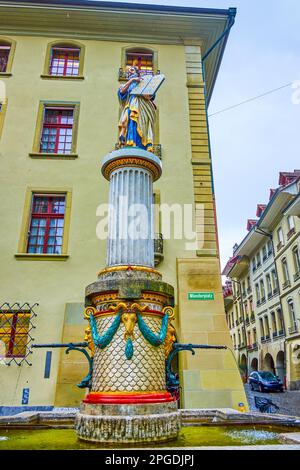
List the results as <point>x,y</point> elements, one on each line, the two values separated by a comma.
<point>231,15</point>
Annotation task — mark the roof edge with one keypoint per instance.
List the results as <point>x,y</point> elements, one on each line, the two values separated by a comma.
<point>125,5</point>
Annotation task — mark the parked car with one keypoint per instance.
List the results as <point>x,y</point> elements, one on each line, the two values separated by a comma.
<point>265,381</point>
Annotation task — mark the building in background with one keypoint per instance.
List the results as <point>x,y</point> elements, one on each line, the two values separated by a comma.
<point>263,312</point>
<point>62,63</point>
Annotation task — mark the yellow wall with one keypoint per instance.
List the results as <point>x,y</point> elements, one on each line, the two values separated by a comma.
<point>58,287</point>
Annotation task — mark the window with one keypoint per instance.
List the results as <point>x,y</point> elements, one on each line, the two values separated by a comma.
<point>264,252</point>
<point>285,271</point>
<point>141,58</point>
<point>4,56</point>
<point>47,224</point>
<point>7,51</point>
<point>254,335</point>
<point>262,329</point>
<point>274,324</point>
<point>270,247</point>
<point>14,328</point>
<point>56,131</point>
<point>257,291</point>
<point>258,260</point>
<point>269,284</point>
<point>254,264</point>
<point>262,290</point>
<point>64,61</point>
<point>267,327</point>
<point>291,222</point>
<point>280,321</point>
<point>280,238</point>
<point>296,259</point>
<point>274,281</point>
<point>292,313</point>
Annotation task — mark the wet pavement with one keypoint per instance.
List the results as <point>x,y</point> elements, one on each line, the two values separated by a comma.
<point>288,402</point>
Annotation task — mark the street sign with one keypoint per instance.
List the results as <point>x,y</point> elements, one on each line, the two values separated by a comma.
<point>201,296</point>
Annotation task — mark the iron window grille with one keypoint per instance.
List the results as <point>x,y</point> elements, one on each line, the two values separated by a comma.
<point>16,328</point>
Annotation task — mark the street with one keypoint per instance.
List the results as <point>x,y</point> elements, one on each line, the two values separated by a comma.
<point>288,402</point>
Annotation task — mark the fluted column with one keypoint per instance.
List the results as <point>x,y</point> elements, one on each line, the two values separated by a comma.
<point>130,239</point>
<point>131,173</point>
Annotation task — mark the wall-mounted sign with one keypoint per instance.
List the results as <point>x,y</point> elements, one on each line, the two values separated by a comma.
<point>201,296</point>
<point>25,396</point>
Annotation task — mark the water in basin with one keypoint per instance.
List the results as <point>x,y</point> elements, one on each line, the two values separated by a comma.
<point>61,439</point>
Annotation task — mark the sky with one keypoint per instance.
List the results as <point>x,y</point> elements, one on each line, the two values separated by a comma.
<point>253,142</point>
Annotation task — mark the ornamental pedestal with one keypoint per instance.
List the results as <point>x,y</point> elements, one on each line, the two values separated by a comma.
<point>129,309</point>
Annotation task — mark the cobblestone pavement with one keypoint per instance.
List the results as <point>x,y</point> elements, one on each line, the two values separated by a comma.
<point>288,402</point>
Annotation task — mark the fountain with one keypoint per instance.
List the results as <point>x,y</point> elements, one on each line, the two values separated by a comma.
<point>129,307</point>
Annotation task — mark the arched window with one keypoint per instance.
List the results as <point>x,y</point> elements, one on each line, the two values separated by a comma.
<point>7,49</point>
<point>64,60</point>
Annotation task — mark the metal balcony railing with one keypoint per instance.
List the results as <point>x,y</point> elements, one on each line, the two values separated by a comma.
<point>158,249</point>
<point>293,329</point>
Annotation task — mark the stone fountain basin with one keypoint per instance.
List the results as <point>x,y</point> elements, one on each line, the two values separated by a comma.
<point>202,428</point>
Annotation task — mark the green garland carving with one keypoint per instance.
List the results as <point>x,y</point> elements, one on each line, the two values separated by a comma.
<point>129,349</point>
<point>154,339</point>
<point>105,339</point>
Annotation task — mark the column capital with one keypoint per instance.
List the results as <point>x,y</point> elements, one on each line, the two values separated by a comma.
<point>131,157</point>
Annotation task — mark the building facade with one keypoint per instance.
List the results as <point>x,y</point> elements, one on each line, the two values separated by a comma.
<point>61,64</point>
<point>264,271</point>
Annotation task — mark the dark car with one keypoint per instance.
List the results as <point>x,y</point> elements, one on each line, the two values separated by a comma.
<point>265,381</point>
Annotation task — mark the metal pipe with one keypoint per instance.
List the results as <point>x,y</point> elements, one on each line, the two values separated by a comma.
<point>232,15</point>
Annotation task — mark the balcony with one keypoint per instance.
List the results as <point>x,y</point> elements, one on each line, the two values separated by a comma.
<point>291,233</point>
<point>265,339</point>
<point>263,299</point>
<point>275,291</point>
<point>293,329</point>
<point>242,346</point>
<point>270,295</point>
<point>275,335</point>
<point>265,257</point>
<point>240,319</point>
<point>254,346</point>
<point>286,284</point>
<point>252,318</point>
<point>279,246</point>
<point>296,276</point>
<point>158,249</point>
<point>280,333</point>
<point>157,149</point>
<point>247,321</point>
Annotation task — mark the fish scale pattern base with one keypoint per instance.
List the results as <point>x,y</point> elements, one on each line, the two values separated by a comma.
<point>114,372</point>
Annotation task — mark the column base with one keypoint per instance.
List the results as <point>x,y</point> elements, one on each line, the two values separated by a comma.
<point>128,423</point>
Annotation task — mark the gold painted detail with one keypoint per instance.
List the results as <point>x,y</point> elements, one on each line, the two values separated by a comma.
<point>128,268</point>
<point>129,320</point>
<point>171,332</point>
<point>131,161</point>
<point>88,337</point>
